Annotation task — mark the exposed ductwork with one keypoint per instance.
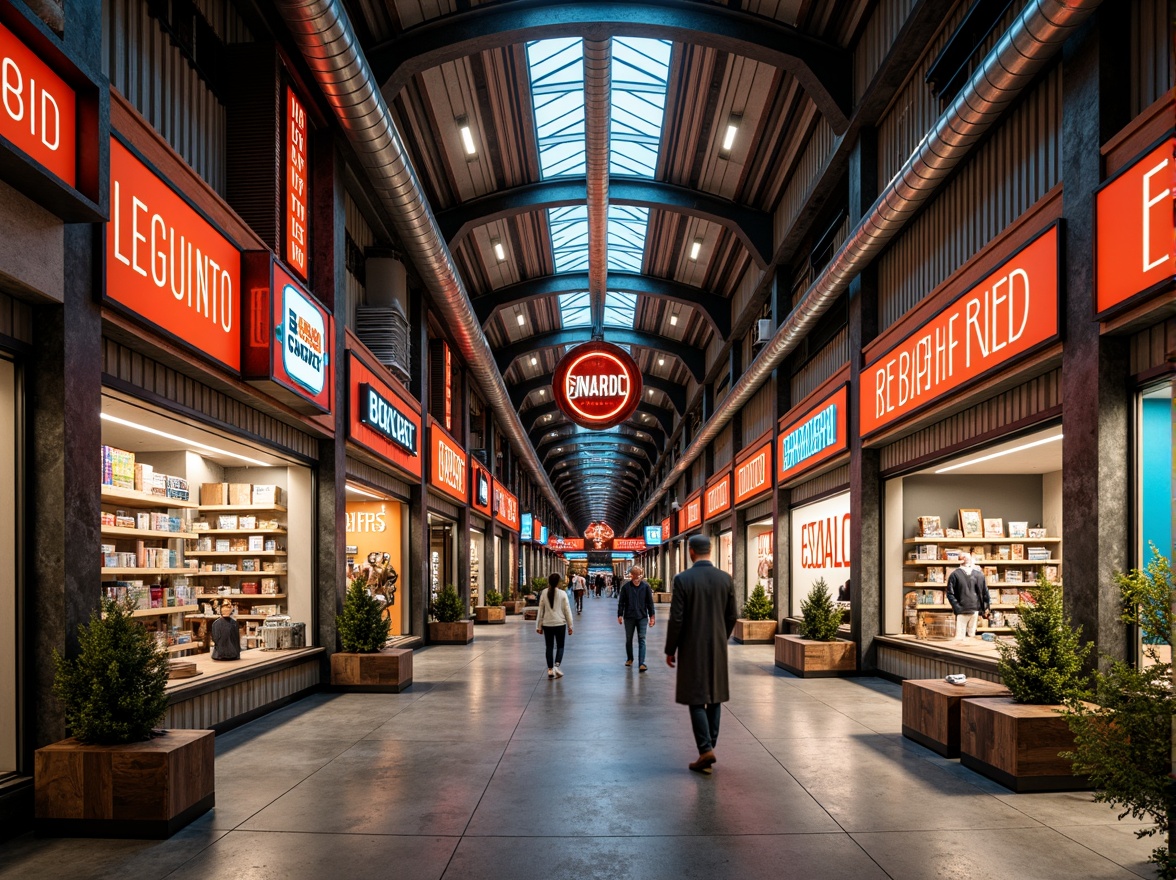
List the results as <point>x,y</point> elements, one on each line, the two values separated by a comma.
<point>327,41</point>
<point>1031,41</point>
<point>597,117</point>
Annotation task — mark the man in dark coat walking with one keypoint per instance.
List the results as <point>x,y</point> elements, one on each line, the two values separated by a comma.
<point>702,616</point>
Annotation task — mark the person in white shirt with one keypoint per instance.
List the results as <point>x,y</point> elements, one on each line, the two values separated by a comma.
<point>554,621</point>
<point>579,585</point>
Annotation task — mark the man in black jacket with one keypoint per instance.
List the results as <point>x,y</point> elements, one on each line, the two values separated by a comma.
<point>702,616</point>
<point>967,593</point>
<point>634,605</point>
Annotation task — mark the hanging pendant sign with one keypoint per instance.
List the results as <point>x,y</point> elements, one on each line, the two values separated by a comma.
<point>381,418</point>
<point>557,544</point>
<point>506,507</point>
<point>653,536</point>
<point>480,488</point>
<point>667,526</point>
<point>597,385</point>
<point>629,545</point>
<point>691,513</point>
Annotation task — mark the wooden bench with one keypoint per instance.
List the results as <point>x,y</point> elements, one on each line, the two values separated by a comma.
<point>931,710</point>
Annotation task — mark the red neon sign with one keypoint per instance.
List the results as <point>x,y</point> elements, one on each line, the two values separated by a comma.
<point>599,533</point>
<point>597,385</point>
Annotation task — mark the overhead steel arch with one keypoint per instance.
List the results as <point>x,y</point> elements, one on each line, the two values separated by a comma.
<point>717,309</point>
<point>673,390</point>
<point>624,435</point>
<point>650,450</point>
<point>664,417</point>
<point>752,227</point>
<point>822,68</point>
<point>692,358</point>
<point>556,433</point>
<point>566,459</point>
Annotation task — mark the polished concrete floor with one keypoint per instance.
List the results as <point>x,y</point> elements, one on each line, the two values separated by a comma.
<point>485,769</point>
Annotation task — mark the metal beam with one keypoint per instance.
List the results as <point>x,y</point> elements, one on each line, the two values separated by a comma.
<point>717,309</point>
<point>621,434</point>
<point>822,68</point>
<point>650,450</point>
<point>597,117</point>
<point>752,227</point>
<point>664,417</point>
<point>692,358</point>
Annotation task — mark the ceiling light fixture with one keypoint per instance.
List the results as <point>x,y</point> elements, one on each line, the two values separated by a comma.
<point>993,455</point>
<point>729,135</point>
<point>534,360</point>
<point>213,449</point>
<point>674,320</point>
<point>356,490</point>
<point>661,361</point>
<point>695,248</point>
<point>542,392</point>
<point>499,250</point>
<point>522,319</point>
<point>467,136</point>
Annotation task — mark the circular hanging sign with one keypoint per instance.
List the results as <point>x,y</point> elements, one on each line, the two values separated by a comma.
<point>597,385</point>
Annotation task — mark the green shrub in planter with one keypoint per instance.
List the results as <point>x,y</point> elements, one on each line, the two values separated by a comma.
<point>820,618</point>
<point>363,628</point>
<point>1122,742</point>
<point>538,584</point>
<point>114,690</point>
<point>493,598</point>
<point>447,607</point>
<point>655,584</point>
<point>758,606</point>
<point>1045,665</point>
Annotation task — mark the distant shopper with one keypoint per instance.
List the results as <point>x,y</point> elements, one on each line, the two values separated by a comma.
<point>702,616</point>
<point>635,610</point>
<point>226,637</point>
<point>967,593</point>
<point>579,585</point>
<point>554,620</point>
<point>599,585</point>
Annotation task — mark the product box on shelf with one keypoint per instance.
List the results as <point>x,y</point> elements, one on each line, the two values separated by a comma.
<point>268,525</point>
<point>240,493</point>
<point>267,494</point>
<point>158,485</point>
<point>256,543</point>
<point>250,588</point>
<point>238,545</point>
<point>177,488</point>
<point>222,545</point>
<point>143,477</point>
<point>226,521</point>
<point>214,493</point>
<point>107,518</point>
<point>247,522</point>
<point>118,467</point>
<point>269,586</point>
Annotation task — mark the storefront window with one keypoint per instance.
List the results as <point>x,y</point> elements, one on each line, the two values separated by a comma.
<point>1155,484</point>
<point>820,550</point>
<point>376,539</point>
<point>477,552</point>
<point>442,554</point>
<point>725,547</point>
<point>760,565</point>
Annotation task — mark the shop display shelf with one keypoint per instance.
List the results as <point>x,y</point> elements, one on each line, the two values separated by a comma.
<point>235,572</point>
<point>177,571</point>
<point>131,498</point>
<point>256,597</point>
<point>982,562</point>
<point>975,542</point>
<point>238,617</point>
<point>945,606</point>
<point>234,508</point>
<point>156,612</point>
<point>200,532</point>
<point>122,532</point>
<point>188,646</point>
<point>229,554</point>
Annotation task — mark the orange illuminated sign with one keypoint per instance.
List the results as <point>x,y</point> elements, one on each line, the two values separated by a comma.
<point>447,463</point>
<point>1135,236</point>
<point>296,177</point>
<point>597,385</point>
<point>753,474</point>
<point>38,110</point>
<point>1008,314</point>
<point>691,513</point>
<point>666,525</point>
<point>506,507</point>
<point>559,545</point>
<point>816,436</point>
<point>628,545</point>
<point>717,498</point>
<point>168,265</point>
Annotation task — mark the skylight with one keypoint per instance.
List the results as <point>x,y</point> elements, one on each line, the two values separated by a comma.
<point>640,75</point>
<point>557,94</point>
<point>575,310</point>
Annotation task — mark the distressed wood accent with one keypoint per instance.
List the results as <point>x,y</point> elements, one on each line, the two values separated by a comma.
<point>754,632</point>
<point>388,671</point>
<point>135,369</point>
<point>1036,400</point>
<point>221,708</point>
<point>489,614</point>
<point>16,319</point>
<point>1018,745</point>
<point>831,481</point>
<point>460,633</point>
<point>810,659</point>
<point>931,710</point>
<point>375,477</point>
<point>900,660</point>
<point>1150,348</point>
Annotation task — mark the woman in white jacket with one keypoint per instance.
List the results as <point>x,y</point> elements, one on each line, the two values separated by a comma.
<point>554,620</point>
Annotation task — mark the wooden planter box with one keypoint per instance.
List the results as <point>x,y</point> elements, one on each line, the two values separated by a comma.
<point>931,710</point>
<point>514,606</point>
<point>147,789</point>
<point>810,659</point>
<point>386,672</point>
<point>489,614</point>
<point>460,633</point>
<point>661,598</point>
<point>530,613</point>
<point>1018,745</point>
<point>754,632</point>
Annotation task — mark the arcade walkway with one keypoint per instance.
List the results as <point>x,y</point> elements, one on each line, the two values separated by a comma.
<point>485,769</point>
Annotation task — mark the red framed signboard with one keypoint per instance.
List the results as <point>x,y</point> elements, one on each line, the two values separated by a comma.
<point>1007,315</point>
<point>297,174</point>
<point>506,507</point>
<point>561,545</point>
<point>480,482</point>
<point>597,385</point>
<point>666,526</point>
<point>381,419</point>
<point>717,497</point>
<point>1135,230</point>
<point>289,336</point>
<point>753,473</point>
<point>818,435</point>
<point>628,545</point>
<point>168,265</point>
<point>691,513</point>
<point>448,463</point>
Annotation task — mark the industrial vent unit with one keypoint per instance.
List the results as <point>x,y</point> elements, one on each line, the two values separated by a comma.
<point>763,331</point>
<point>385,332</point>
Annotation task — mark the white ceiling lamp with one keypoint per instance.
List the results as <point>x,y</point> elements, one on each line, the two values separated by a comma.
<point>661,361</point>
<point>674,319</point>
<point>534,360</point>
<point>695,248</point>
<point>521,317</point>
<point>355,490</point>
<point>729,133</point>
<point>184,440</point>
<point>1003,452</point>
<point>542,392</point>
<point>467,137</point>
<point>499,250</point>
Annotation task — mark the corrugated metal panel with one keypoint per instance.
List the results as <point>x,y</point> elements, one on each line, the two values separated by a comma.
<point>16,319</point>
<point>1151,53</point>
<point>724,448</point>
<point>878,36</point>
<point>808,171</point>
<point>443,507</point>
<point>1017,406</point>
<point>361,233</point>
<point>1005,177</point>
<point>758,413</point>
<point>154,76</point>
<point>758,511</point>
<point>140,371</point>
<point>373,476</point>
<point>1150,347</point>
<point>827,361</point>
<point>698,472</point>
<point>893,660</point>
<point>221,706</point>
<point>830,481</point>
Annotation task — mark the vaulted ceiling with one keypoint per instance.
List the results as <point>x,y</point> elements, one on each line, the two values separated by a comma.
<point>608,169</point>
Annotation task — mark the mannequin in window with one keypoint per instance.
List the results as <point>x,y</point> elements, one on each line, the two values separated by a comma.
<point>226,637</point>
<point>967,592</point>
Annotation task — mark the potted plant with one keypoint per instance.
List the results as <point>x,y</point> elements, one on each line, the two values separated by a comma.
<point>449,626</point>
<point>757,626</point>
<point>514,605</point>
<point>118,776</point>
<point>492,611</point>
<point>1123,736</point>
<point>365,663</point>
<point>1019,740</point>
<point>655,584</point>
<point>817,652</point>
<point>538,585</point>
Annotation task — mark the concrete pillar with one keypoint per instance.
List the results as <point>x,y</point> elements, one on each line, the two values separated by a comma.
<point>418,516</point>
<point>781,402</point>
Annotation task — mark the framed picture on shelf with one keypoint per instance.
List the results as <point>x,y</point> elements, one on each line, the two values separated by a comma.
<point>953,533</point>
<point>1018,529</point>
<point>1037,533</point>
<point>971,523</point>
<point>993,527</point>
<point>1018,551</point>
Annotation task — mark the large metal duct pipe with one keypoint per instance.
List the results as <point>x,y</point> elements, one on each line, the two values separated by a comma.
<point>328,43</point>
<point>1031,41</point>
<point>597,117</point>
